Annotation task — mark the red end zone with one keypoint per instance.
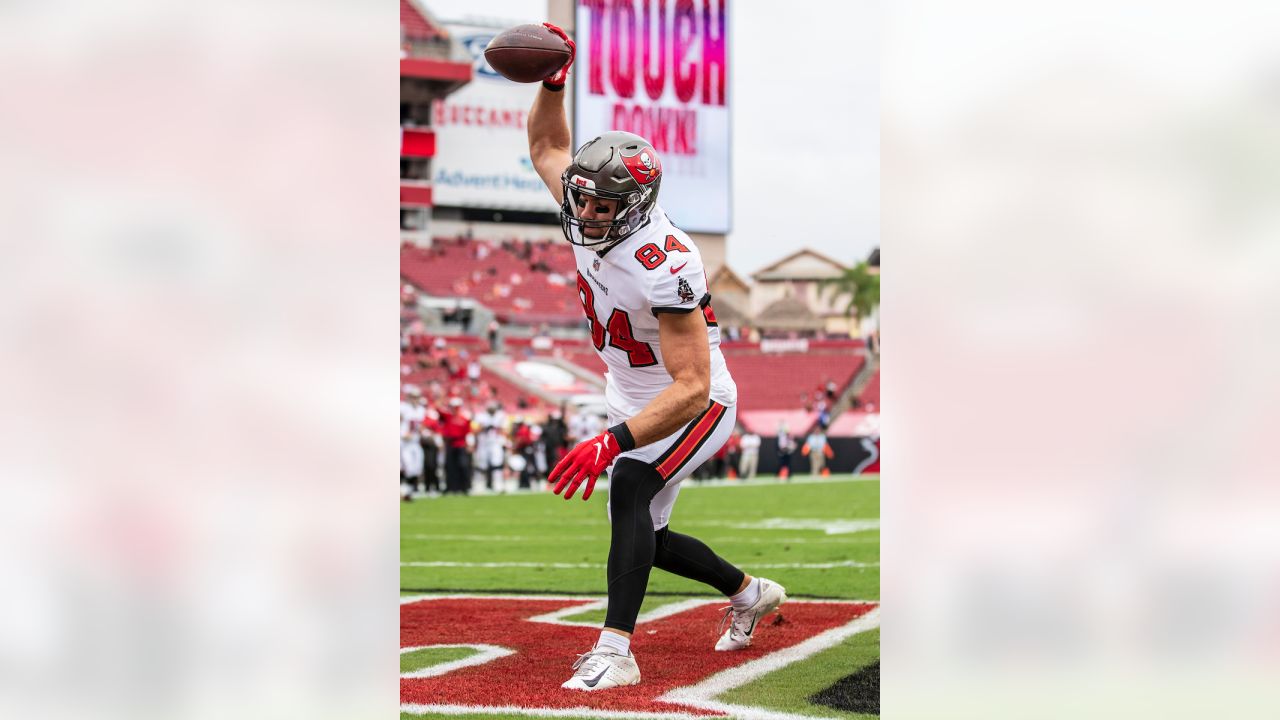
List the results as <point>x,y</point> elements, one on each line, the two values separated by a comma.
<point>673,652</point>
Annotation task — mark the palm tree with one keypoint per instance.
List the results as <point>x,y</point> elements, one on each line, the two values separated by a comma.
<point>862,288</point>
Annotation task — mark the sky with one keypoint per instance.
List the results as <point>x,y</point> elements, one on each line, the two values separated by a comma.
<point>804,89</point>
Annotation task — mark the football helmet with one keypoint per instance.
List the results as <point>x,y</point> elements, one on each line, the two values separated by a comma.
<point>616,166</point>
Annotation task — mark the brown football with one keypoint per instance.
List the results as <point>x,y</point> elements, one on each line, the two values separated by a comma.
<point>527,53</point>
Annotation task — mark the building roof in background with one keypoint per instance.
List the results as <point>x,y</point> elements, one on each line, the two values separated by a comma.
<point>725,275</point>
<point>803,264</point>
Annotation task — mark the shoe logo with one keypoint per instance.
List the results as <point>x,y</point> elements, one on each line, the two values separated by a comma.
<point>595,680</point>
<point>679,267</point>
<point>753,625</point>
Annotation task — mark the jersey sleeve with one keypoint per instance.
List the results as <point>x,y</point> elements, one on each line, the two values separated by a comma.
<point>679,285</point>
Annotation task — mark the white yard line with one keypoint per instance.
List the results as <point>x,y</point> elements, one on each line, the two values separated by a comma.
<point>702,694</point>
<point>597,566</point>
<point>834,540</point>
<point>415,709</point>
<point>484,653</point>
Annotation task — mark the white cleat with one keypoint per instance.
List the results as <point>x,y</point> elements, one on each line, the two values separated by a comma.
<point>738,636</point>
<point>602,669</point>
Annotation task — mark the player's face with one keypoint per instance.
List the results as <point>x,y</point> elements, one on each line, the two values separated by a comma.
<point>594,208</point>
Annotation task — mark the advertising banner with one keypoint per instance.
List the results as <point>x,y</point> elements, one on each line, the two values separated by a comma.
<point>482,147</point>
<point>660,69</point>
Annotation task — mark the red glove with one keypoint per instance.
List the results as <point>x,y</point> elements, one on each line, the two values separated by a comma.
<point>556,81</point>
<point>585,462</point>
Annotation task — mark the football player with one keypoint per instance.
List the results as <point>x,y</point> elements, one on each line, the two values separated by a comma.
<point>670,399</point>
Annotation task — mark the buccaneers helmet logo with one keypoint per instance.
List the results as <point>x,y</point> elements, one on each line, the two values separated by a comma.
<point>644,166</point>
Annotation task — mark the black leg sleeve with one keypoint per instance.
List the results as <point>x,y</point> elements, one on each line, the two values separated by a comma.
<point>632,486</point>
<point>687,556</point>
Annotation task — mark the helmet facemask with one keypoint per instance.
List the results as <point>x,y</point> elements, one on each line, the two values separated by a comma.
<point>632,214</point>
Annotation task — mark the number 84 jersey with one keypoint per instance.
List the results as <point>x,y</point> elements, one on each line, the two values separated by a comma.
<point>656,270</point>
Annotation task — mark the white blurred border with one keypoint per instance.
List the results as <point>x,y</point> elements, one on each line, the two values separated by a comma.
<point>199,376</point>
<point>1080,225</point>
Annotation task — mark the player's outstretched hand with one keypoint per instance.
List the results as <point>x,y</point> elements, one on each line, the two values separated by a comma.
<point>557,80</point>
<point>584,463</point>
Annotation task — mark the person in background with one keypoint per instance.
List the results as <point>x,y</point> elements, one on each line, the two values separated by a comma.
<point>733,454</point>
<point>786,445</point>
<point>493,336</point>
<point>555,438</point>
<point>410,465</point>
<point>750,455</point>
<point>429,439</point>
<point>522,442</point>
<point>818,450</point>
<point>491,446</point>
<point>455,429</point>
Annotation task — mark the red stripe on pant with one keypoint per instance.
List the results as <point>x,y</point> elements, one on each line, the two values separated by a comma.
<point>686,447</point>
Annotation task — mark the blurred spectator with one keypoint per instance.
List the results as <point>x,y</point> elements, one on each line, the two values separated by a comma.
<point>719,462</point>
<point>750,455</point>
<point>473,371</point>
<point>733,454</point>
<point>831,390</point>
<point>818,450</point>
<point>456,432</point>
<point>555,435</point>
<point>491,446</point>
<point>786,445</point>
<point>493,336</point>
<point>411,459</point>
<point>523,441</point>
<point>430,441</point>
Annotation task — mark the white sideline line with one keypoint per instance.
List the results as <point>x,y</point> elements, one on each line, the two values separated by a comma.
<point>701,695</point>
<point>417,709</point>
<point>587,601</point>
<point>836,540</point>
<point>484,653</point>
<point>597,566</point>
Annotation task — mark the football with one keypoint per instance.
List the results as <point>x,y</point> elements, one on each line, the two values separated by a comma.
<point>527,53</point>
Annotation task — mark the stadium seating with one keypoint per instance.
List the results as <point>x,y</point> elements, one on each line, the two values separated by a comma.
<point>521,282</point>
<point>770,381</point>
<point>870,396</point>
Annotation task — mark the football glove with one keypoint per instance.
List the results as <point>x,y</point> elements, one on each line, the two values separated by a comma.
<point>584,463</point>
<point>556,81</point>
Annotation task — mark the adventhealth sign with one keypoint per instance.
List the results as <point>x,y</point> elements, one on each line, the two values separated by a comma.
<point>482,148</point>
<point>659,68</point>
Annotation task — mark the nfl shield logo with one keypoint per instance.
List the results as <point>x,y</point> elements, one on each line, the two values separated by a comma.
<point>595,264</point>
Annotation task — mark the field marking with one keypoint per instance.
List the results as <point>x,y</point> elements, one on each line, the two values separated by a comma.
<point>597,566</point>
<point>828,526</point>
<point>592,599</point>
<point>484,653</point>
<point>584,538</point>
<point>689,484</point>
<point>700,695</point>
<point>417,709</point>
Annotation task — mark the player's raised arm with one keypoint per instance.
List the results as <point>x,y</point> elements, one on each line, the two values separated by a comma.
<point>550,146</point>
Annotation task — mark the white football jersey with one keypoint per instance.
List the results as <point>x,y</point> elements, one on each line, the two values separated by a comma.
<point>658,269</point>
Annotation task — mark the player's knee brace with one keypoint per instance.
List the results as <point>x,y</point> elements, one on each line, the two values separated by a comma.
<point>632,487</point>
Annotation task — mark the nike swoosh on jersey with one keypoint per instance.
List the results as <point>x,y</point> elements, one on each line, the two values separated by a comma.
<point>678,268</point>
<point>595,680</point>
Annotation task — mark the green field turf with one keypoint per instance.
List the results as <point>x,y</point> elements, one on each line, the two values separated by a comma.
<point>764,527</point>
